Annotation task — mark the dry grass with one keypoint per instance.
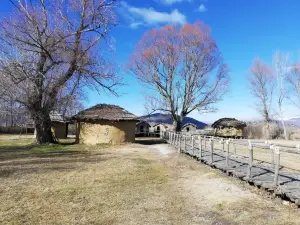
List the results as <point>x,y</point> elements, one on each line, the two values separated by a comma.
<point>129,184</point>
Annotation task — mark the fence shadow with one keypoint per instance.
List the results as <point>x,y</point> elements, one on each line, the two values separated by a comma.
<point>150,141</point>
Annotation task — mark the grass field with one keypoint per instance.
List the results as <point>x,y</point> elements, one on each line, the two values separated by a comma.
<point>128,184</point>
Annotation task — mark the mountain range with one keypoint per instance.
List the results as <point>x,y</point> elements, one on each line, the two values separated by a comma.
<point>166,118</point>
<point>291,122</point>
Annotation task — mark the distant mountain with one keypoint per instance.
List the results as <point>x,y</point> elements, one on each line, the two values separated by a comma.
<point>292,122</point>
<point>165,118</point>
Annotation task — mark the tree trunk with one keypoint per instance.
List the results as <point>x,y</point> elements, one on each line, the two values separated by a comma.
<point>177,123</point>
<point>268,133</point>
<point>284,129</point>
<point>42,123</point>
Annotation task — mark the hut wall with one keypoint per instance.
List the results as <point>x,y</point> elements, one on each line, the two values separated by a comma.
<point>59,130</point>
<point>229,132</point>
<point>189,129</point>
<point>106,132</point>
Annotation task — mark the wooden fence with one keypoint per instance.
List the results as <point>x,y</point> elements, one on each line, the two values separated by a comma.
<point>16,130</point>
<point>257,162</point>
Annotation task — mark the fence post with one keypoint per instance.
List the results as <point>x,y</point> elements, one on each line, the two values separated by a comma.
<point>193,145</point>
<point>200,147</point>
<point>277,161</point>
<point>174,138</point>
<point>272,148</point>
<point>227,155</point>
<point>205,143</point>
<point>234,148</point>
<point>179,143</point>
<point>184,141</point>
<point>250,163</point>
<point>211,151</point>
<point>222,142</point>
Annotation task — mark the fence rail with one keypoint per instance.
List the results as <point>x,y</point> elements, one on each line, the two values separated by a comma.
<point>275,167</point>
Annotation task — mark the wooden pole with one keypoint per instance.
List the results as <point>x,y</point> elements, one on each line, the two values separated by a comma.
<point>184,138</point>
<point>250,163</point>
<point>227,155</point>
<point>193,145</point>
<point>200,147</point>
<point>179,143</point>
<point>234,146</point>
<point>272,147</point>
<point>211,151</point>
<point>222,142</point>
<point>277,161</point>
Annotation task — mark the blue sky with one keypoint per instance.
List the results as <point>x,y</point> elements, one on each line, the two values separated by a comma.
<point>243,29</point>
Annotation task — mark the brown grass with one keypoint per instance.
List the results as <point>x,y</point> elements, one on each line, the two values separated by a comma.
<point>128,184</point>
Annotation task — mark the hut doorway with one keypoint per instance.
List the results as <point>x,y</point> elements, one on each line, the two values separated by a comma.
<point>157,131</point>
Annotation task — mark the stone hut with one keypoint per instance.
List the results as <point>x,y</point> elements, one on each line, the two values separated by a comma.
<point>142,129</point>
<point>189,128</point>
<point>228,127</point>
<point>105,123</point>
<point>59,125</point>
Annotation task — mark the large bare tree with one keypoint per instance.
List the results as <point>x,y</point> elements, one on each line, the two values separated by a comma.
<point>51,45</point>
<point>262,83</point>
<point>281,71</point>
<point>293,80</point>
<point>183,67</point>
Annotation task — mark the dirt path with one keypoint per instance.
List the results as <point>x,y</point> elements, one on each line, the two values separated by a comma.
<point>130,184</point>
<point>210,197</point>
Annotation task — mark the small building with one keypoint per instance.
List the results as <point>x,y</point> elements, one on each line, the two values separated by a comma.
<point>158,127</point>
<point>228,127</point>
<point>59,125</point>
<point>142,129</point>
<point>105,123</point>
<point>189,128</point>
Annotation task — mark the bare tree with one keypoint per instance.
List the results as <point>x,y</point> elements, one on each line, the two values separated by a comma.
<point>281,71</point>
<point>183,67</point>
<point>262,84</point>
<point>293,79</point>
<point>47,46</point>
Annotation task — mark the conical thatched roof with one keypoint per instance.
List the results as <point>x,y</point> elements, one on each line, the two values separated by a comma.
<point>228,123</point>
<point>104,112</point>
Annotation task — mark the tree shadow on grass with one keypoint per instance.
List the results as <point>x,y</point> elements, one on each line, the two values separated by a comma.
<point>20,160</point>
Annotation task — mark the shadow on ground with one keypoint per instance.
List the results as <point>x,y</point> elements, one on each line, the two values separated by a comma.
<point>17,160</point>
<point>150,141</point>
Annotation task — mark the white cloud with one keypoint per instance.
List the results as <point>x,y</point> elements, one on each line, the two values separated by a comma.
<point>170,2</point>
<point>136,25</point>
<point>149,16</point>
<point>202,8</point>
